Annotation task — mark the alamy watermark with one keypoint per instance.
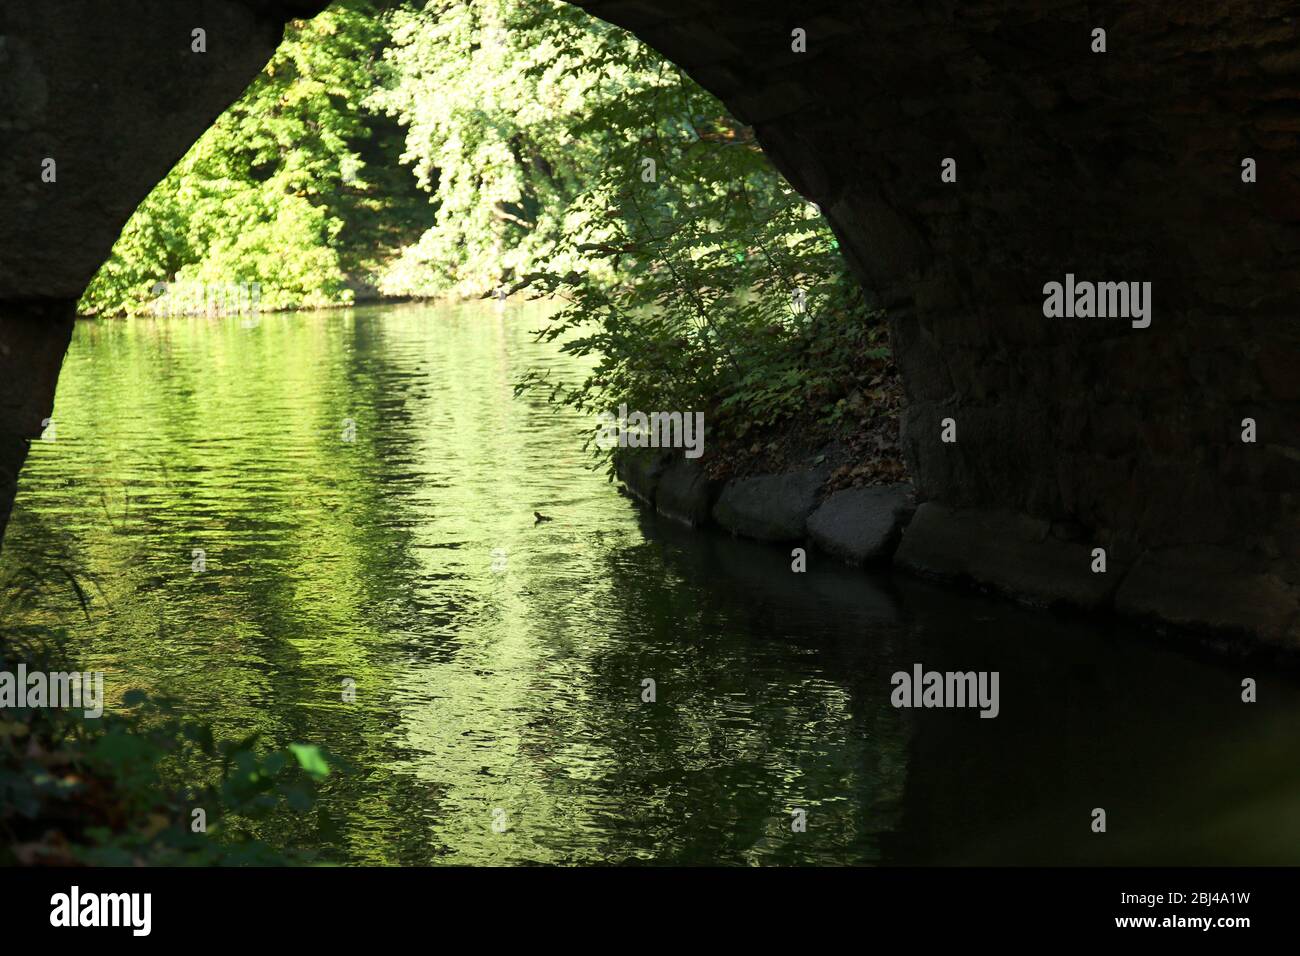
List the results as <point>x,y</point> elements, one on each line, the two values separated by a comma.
<point>59,689</point>
<point>205,298</point>
<point>922,688</point>
<point>654,430</point>
<point>75,908</point>
<point>1101,300</point>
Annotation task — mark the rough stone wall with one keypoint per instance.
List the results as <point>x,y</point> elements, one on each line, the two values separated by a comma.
<point>33,337</point>
<point>113,93</point>
<point>1115,166</point>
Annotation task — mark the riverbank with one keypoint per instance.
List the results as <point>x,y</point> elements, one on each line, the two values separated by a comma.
<point>375,299</point>
<point>803,507</point>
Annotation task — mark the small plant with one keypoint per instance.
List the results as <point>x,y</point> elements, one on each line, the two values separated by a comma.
<point>122,789</point>
<point>729,294</point>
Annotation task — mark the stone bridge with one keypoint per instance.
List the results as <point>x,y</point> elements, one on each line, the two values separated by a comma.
<point>1170,158</point>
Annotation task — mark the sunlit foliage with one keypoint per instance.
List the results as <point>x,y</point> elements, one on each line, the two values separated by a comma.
<point>541,150</point>
<point>571,159</point>
<point>278,191</point>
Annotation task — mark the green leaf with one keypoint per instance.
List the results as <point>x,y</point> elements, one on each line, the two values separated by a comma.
<point>310,759</point>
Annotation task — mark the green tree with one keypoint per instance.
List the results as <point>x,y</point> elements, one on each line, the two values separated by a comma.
<point>571,159</point>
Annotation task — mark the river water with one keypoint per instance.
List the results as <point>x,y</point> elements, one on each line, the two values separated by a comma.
<point>361,487</point>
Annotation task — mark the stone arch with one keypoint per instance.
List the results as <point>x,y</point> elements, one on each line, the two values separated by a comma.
<point>1115,166</point>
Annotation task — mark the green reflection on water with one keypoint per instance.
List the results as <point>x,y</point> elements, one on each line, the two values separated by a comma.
<point>477,689</point>
<point>519,689</point>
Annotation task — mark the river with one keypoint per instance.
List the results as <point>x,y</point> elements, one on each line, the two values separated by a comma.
<point>266,512</point>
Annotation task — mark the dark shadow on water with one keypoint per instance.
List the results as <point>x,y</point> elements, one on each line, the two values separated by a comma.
<point>1093,714</point>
